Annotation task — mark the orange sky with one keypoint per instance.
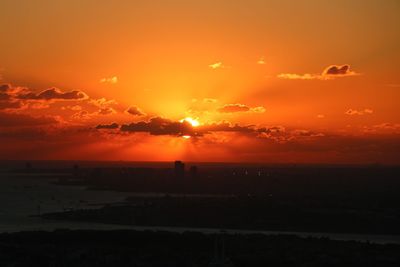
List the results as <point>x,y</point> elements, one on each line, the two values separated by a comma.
<point>268,81</point>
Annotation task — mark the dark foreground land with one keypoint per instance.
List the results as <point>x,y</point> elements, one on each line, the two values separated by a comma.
<point>346,214</point>
<point>146,248</point>
<point>314,198</point>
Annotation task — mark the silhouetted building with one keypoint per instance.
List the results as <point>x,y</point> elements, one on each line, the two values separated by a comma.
<point>179,169</point>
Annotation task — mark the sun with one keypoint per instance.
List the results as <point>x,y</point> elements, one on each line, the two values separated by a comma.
<point>192,121</point>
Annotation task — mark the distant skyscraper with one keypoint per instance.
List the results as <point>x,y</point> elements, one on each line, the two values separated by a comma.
<point>179,169</point>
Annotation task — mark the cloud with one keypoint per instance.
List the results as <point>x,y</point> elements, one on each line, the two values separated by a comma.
<point>23,120</point>
<point>86,115</point>
<point>160,126</point>
<point>104,105</point>
<point>82,115</point>
<point>18,98</point>
<point>205,100</point>
<point>105,111</point>
<point>385,127</point>
<point>217,65</point>
<point>338,70</point>
<point>108,126</point>
<point>7,100</point>
<point>53,94</point>
<point>226,127</point>
<point>38,105</point>
<point>210,100</point>
<point>111,80</point>
<point>261,61</point>
<point>233,108</point>
<point>202,107</point>
<point>102,102</point>
<point>74,108</point>
<point>352,112</point>
<point>388,126</point>
<point>258,109</point>
<point>307,133</point>
<point>293,76</point>
<point>5,88</point>
<point>6,104</point>
<point>329,73</point>
<point>135,111</point>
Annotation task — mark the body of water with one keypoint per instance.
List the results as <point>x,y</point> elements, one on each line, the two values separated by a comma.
<point>24,196</point>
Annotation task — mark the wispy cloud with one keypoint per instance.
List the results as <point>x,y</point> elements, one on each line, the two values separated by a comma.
<point>111,80</point>
<point>74,108</point>
<point>234,108</point>
<point>329,73</point>
<point>352,112</point>
<point>294,76</point>
<point>217,65</point>
<point>261,61</point>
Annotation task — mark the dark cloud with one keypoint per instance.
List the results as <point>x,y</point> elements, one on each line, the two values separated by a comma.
<point>21,97</point>
<point>135,111</point>
<point>331,72</point>
<point>4,88</point>
<point>53,94</point>
<point>160,126</point>
<point>4,104</point>
<point>108,126</point>
<point>21,120</point>
<point>4,96</point>
<point>337,70</point>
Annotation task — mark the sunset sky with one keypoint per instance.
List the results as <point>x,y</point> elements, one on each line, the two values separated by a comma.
<point>276,81</point>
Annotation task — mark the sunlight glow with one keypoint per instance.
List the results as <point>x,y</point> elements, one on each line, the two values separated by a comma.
<point>192,121</point>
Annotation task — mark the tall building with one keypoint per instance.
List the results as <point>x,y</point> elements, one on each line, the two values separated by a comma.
<point>179,169</point>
